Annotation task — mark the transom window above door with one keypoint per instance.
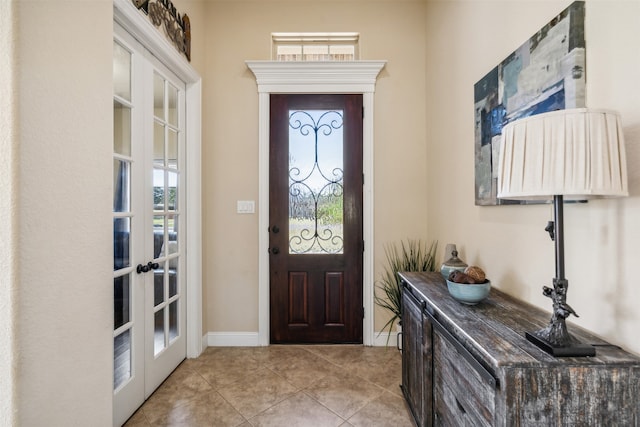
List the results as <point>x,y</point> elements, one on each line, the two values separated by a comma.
<point>314,46</point>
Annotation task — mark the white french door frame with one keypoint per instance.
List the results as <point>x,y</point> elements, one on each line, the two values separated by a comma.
<point>352,77</point>
<point>138,25</point>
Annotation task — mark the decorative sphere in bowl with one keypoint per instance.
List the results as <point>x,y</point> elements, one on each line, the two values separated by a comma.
<point>468,293</point>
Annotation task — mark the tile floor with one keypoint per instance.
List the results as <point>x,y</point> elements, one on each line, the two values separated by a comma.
<point>316,386</point>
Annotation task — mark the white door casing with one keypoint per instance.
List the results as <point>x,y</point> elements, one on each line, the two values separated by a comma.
<point>356,77</point>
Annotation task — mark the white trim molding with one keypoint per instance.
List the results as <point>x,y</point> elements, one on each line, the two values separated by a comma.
<point>387,339</point>
<point>315,77</point>
<point>231,339</point>
<point>138,25</point>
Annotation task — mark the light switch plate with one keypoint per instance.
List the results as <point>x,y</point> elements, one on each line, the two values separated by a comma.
<point>246,206</point>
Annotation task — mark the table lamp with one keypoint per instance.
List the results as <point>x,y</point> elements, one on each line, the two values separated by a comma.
<point>573,154</point>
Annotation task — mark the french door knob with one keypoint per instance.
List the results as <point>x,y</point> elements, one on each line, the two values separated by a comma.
<point>275,229</point>
<point>146,268</point>
<point>275,250</point>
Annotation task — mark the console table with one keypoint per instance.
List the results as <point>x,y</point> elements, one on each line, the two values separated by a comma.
<point>472,365</point>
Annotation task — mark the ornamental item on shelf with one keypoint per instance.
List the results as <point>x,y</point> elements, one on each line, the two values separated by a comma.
<point>177,28</point>
<point>452,264</point>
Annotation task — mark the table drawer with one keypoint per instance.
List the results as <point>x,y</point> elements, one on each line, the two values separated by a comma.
<point>462,393</point>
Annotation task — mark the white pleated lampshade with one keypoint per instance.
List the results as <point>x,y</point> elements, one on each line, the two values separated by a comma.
<point>576,153</point>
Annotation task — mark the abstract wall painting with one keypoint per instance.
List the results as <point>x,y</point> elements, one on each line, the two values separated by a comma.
<point>546,73</point>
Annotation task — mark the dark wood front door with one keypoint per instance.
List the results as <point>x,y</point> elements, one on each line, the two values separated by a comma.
<point>315,217</point>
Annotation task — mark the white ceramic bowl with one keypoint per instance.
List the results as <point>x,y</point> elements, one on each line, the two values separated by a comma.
<point>469,294</point>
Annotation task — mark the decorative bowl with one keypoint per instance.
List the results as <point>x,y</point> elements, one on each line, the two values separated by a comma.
<point>470,294</point>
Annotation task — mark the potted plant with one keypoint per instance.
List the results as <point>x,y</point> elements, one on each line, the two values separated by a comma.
<point>411,256</point>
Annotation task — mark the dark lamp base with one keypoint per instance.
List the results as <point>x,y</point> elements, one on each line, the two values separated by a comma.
<point>574,349</point>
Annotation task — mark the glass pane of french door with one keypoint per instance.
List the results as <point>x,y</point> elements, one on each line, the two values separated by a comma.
<point>122,216</point>
<point>128,306</point>
<point>166,212</point>
<point>165,306</point>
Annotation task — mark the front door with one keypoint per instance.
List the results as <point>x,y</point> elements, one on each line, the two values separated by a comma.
<point>315,217</point>
<point>148,217</point>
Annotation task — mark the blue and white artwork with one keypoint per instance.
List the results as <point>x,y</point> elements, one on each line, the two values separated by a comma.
<point>546,73</point>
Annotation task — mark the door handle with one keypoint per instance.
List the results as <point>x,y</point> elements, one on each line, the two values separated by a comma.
<point>274,251</point>
<point>275,229</point>
<point>146,268</point>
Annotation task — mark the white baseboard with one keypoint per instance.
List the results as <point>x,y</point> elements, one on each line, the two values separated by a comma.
<point>232,339</point>
<point>380,339</point>
<point>251,339</point>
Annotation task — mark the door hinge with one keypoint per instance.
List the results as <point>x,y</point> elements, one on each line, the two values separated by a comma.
<point>363,112</point>
<point>363,312</point>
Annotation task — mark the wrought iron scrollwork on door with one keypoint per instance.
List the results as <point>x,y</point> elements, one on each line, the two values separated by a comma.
<point>316,193</point>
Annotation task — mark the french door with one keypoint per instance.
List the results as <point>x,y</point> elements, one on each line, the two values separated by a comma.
<point>148,221</point>
<point>315,218</point>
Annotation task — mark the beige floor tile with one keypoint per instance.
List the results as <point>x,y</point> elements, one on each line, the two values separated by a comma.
<point>304,369</point>
<point>383,368</point>
<point>182,386</point>
<point>275,354</point>
<point>284,385</point>
<point>298,410</point>
<point>377,354</point>
<point>230,354</point>
<point>387,410</point>
<point>338,354</point>
<point>257,393</point>
<point>224,357</point>
<point>138,420</point>
<point>220,377</point>
<point>188,364</point>
<point>343,393</point>
<point>209,409</point>
<point>221,367</point>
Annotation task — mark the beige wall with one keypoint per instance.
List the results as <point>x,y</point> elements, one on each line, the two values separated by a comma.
<point>196,10</point>
<point>240,30</point>
<point>8,220</point>
<point>61,325</point>
<point>468,38</point>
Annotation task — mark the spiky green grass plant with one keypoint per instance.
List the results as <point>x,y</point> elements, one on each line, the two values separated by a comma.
<point>413,255</point>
